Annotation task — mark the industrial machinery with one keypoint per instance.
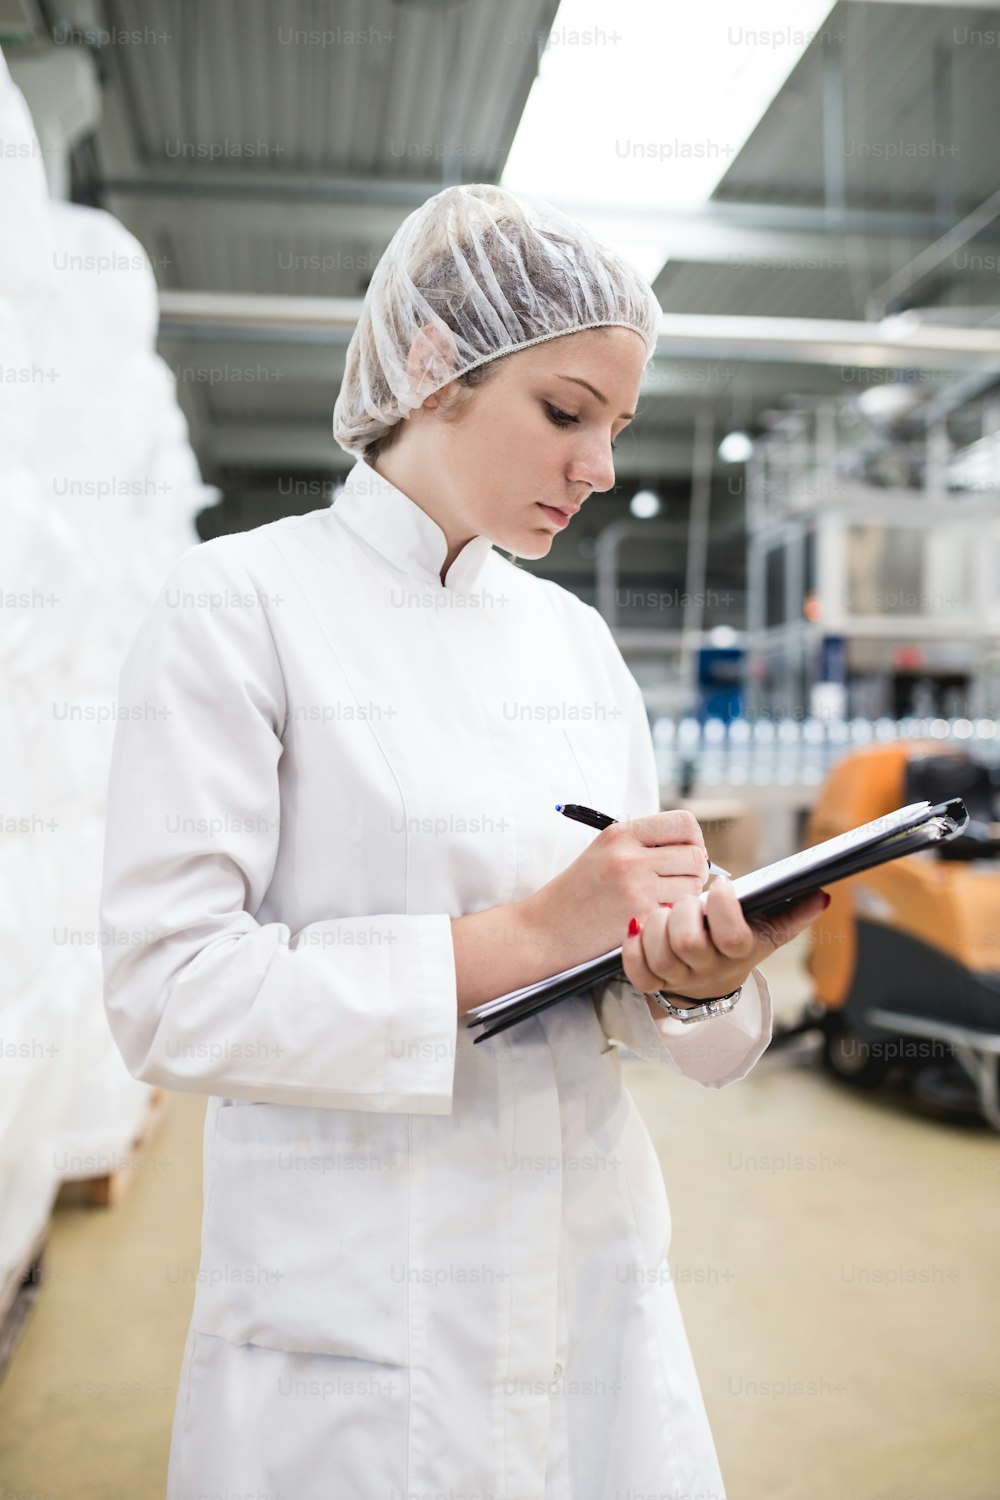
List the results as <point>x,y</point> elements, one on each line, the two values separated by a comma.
<point>906,958</point>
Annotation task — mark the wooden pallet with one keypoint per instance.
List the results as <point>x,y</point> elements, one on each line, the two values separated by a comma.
<point>17,1295</point>
<point>107,1189</point>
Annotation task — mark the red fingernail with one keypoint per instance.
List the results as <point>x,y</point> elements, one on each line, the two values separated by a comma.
<point>827,898</point>
<point>634,928</point>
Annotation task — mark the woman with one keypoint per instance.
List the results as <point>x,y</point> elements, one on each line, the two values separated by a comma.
<point>426,1266</point>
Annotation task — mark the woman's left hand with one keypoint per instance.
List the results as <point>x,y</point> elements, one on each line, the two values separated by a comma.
<point>704,952</point>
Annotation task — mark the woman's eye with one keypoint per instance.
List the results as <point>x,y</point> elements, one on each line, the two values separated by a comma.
<point>563,418</point>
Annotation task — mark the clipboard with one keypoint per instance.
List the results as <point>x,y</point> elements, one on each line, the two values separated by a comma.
<point>768,891</point>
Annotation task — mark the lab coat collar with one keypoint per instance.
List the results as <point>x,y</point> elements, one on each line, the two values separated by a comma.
<point>402,532</point>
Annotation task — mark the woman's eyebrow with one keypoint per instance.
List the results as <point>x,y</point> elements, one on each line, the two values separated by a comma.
<point>626,416</point>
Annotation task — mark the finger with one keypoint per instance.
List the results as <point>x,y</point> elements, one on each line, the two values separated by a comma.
<point>650,943</point>
<point>728,929</point>
<point>672,888</point>
<point>690,944</point>
<point>676,827</point>
<point>773,932</point>
<point>683,860</point>
<point>701,973</point>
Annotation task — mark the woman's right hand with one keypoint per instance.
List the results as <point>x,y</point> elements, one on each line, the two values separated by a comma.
<point>627,870</point>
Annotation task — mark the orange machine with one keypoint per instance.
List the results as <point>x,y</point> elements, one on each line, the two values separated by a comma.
<point>906,958</point>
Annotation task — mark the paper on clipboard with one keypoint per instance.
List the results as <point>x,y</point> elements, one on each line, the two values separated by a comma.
<point>770,889</point>
<point>916,826</point>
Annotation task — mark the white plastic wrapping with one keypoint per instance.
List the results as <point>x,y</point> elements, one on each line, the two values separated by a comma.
<point>98,490</point>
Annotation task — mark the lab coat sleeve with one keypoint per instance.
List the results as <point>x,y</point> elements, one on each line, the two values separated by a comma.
<point>199,995</point>
<point>712,1052</point>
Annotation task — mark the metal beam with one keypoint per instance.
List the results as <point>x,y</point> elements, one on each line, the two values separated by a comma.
<point>199,180</point>
<point>728,233</point>
<point>226,313</point>
<point>702,464</point>
<point>203,362</point>
<point>894,344</point>
<point>900,287</point>
<point>834,111</point>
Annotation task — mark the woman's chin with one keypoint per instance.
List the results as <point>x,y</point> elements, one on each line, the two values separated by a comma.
<point>536,544</point>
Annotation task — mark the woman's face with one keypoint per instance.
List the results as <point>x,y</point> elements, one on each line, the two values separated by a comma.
<point>525,450</point>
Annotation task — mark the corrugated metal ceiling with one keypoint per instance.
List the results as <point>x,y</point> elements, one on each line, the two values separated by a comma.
<point>223,145</point>
<point>360,88</point>
<point>896,147</point>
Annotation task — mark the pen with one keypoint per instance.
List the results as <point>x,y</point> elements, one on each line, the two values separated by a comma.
<point>601,820</point>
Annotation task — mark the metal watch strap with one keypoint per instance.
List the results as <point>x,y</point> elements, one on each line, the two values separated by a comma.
<point>720,1006</point>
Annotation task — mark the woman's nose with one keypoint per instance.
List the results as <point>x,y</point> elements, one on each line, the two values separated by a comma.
<point>594,465</point>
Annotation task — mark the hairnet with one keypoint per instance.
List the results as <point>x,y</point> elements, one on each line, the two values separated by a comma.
<point>491,272</point>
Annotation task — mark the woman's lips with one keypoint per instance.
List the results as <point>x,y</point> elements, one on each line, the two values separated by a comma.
<point>558,516</point>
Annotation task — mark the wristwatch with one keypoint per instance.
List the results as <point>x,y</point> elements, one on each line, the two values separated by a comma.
<point>701,1011</point>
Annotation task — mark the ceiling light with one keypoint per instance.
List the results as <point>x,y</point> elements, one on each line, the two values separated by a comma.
<point>723,637</point>
<point>684,89</point>
<point>888,400</point>
<point>736,448</point>
<point>644,504</point>
<point>901,325</point>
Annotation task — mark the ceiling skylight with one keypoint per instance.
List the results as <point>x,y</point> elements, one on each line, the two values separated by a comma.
<point>640,108</point>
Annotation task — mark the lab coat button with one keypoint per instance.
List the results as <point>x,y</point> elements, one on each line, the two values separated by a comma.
<point>557,1372</point>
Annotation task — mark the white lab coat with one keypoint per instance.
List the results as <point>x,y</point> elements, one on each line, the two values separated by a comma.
<point>427,1266</point>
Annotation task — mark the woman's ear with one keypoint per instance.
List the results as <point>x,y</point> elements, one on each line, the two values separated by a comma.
<point>431,361</point>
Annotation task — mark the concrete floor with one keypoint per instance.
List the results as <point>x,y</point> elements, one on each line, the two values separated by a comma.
<point>837,1258</point>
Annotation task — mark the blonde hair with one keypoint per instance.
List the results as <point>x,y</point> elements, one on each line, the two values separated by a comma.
<point>488,273</point>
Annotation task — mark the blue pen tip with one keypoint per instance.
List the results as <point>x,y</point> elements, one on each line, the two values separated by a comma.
<point>558,807</point>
